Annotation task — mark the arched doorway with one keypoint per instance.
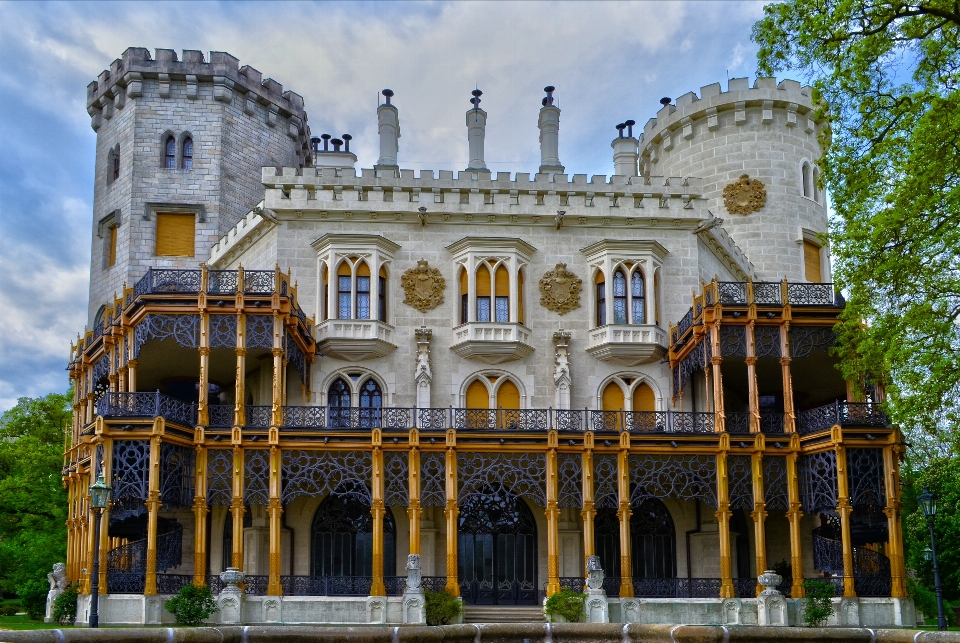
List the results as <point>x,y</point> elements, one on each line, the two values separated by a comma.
<point>653,547</point>
<point>497,549</point>
<point>338,403</point>
<point>341,539</point>
<point>371,400</point>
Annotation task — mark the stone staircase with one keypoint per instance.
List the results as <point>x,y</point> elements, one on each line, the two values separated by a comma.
<point>502,614</point>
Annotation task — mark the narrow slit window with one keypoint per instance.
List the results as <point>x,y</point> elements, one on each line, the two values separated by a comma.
<point>382,295</point>
<point>112,248</point>
<point>619,298</point>
<point>170,153</point>
<point>344,291</point>
<point>363,291</point>
<point>601,286</point>
<point>483,294</point>
<point>187,162</point>
<point>636,287</point>
<point>116,165</point>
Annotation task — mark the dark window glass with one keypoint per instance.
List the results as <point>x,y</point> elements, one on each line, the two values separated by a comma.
<point>371,399</point>
<point>116,164</point>
<point>342,535</point>
<point>188,154</point>
<point>464,299</point>
<point>363,297</point>
<point>382,298</point>
<point>602,303</point>
<point>483,309</point>
<point>170,154</point>
<point>343,297</point>
<point>619,298</point>
<point>636,286</point>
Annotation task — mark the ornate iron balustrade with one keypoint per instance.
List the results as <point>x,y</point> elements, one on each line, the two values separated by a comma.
<point>127,564</point>
<point>685,323</point>
<point>342,585</point>
<point>433,419</point>
<point>732,293</point>
<point>255,585</point>
<point>576,583</point>
<point>162,280</point>
<point>304,416</point>
<point>745,587</point>
<point>876,585</point>
<point>804,294</point>
<point>767,293</point>
<point>433,583</point>
<point>259,282</point>
<point>220,415</point>
<point>257,416</point>
<point>147,405</point>
<point>172,583</point>
<point>222,282</point>
<point>737,423</point>
<point>771,423</point>
<point>674,587</point>
<point>652,421</point>
<point>565,420</point>
<point>842,413</point>
<point>214,583</point>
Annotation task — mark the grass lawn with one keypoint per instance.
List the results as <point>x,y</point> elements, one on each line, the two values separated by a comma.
<point>23,622</point>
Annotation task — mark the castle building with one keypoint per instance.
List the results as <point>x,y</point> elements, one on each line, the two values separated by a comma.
<point>324,375</point>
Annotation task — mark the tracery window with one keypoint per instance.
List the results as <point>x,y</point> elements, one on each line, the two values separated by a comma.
<point>491,280</point>
<point>371,400</point>
<point>619,298</point>
<point>354,276</point>
<point>626,278</point>
<point>363,291</point>
<point>637,313</point>
<point>170,153</point>
<point>187,158</point>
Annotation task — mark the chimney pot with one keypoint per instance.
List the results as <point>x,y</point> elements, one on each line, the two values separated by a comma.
<point>326,139</point>
<point>387,93</point>
<point>666,100</point>
<point>336,144</point>
<point>476,132</point>
<point>630,125</point>
<point>346,138</point>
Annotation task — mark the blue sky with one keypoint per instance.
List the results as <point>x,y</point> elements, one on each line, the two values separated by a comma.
<point>609,61</point>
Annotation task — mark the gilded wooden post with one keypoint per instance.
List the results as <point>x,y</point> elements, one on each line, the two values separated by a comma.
<point>623,513</point>
<point>377,509</point>
<point>553,518</point>
<point>200,511</point>
<point>153,507</point>
<point>236,505</point>
<point>240,384</point>
<point>277,401</point>
<point>132,376</point>
<point>589,511</point>
<point>203,400</point>
<point>275,509</point>
<point>759,514</point>
<point>753,397</point>
<point>723,521</point>
<point>789,412</point>
<point>414,512</point>
<point>794,514</point>
<point>451,512</point>
<point>891,465</point>
<point>716,359</point>
<point>844,509</point>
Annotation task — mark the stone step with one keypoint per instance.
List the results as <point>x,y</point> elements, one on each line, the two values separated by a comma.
<point>502,614</point>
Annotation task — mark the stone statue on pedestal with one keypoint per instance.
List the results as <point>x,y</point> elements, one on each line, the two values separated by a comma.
<point>414,604</point>
<point>58,583</point>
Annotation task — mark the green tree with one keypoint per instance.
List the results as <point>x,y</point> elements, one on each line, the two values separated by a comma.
<point>33,502</point>
<point>887,72</point>
<point>942,476</point>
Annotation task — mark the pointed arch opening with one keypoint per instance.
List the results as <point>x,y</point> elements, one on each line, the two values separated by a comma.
<point>382,294</point>
<point>612,404</point>
<point>371,401</point>
<point>501,295</point>
<point>344,289</point>
<point>600,286</point>
<point>644,398</point>
<point>186,158</point>
<point>483,294</point>
<point>362,304</point>
<point>619,297</point>
<point>341,536</point>
<point>338,403</point>
<point>653,541</point>
<point>170,153</point>
<point>464,296</point>
<point>637,299</point>
<point>478,396</point>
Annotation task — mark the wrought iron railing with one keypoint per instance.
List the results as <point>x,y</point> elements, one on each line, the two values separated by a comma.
<point>214,583</point>
<point>767,293</point>
<point>489,592</point>
<point>147,405</point>
<point>339,585</point>
<point>737,422</point>
<point>842,413</point>
<point>652,421</point>
<point>259,282</point>
<point>222,282</point>
<point>745,587</point>
<point>673,587</point>
<point>803,294</point>
<point>255,585</point>
<point>771,423</point>
<point>127,564</point>
<point>172,583</point>
<point>433,583</point>
<point>258,416</point>
<point>871,569</point>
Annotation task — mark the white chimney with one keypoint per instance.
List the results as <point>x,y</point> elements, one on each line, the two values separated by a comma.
<point>388,120</point>
<point>549,134</point>
<point>625,151</point>
<point>476,131</point>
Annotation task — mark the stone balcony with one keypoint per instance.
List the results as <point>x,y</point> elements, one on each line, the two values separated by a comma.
<point>492,342</point>
<point>627,344</point>
<point>354,340</point>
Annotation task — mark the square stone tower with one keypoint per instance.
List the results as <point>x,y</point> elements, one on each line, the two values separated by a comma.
<point>180,144</point>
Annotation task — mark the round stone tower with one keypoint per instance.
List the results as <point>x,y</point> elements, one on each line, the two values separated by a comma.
<point>180,144</point>
<point>755,149</point>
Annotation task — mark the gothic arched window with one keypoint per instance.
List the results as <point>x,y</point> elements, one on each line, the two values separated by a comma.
<point>619,297</point>
<point>187,158</point>
<point>170,153</point>
<point>338,403</point>
<point>636,293</point>
<point>371,400</point>
<point>601,286</point>
<point>342,540</point>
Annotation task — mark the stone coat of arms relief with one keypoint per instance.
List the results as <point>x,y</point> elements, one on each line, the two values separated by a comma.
<point>745,195</point>
<point>560,290</point>
<point>423,287</point>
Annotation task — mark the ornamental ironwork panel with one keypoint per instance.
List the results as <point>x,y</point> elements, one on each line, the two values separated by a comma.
<point>259,329</point>
<point>523,474</point>
<point>222,282</point>
<point>305,416</point>
<point>865,477</point>
<point>733,341</point>
<point>131,473</point>
<point>775,494</point>
<point>737,422</point>
<point>101,369</point>
<point>220,415</point>
<point>172,280</point>
<point>296,357</point>
<point>173,410</point>
<point>569,478</point>
<point>818,482</point>
<point>433,419</point>
<point>259,282</point>
<point>684,477</point>
<point>432,481</point>
<point>177,475</point>
<point>801,294</point>
<point>771,423</point>
<point>258,417</point>
<point>806,339</point>
<point>396,477</point>
<point>173,583</point>
<point>685,323</point>
<point>568,420</point>
<point>126,568</point>
<point>693,362</point>
<point>256,477</point>
<point>223,331</point>
<point>766,293</point>
<point>606,477</point>
<point>220,477</point>
<point>740,481</point>
<point>183,329</point>
<point>766,341</point>
<point>170,547</point>
<point>316,473</point>
<point>732,292</point>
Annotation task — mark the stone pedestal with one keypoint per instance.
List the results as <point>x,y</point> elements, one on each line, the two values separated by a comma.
<point>230,599</point>
<point>414,604</point>
<point>771,606</point>
<point>376,609</point>
<point>596,604</point>
<point>58,582</point>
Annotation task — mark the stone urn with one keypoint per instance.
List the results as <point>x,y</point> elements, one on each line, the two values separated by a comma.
<point>230,599</point>
<point>771,606</point>
<point>771,581</point>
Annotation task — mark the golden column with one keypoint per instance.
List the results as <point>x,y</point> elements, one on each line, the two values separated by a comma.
<point>891,465</point>
<point>414,512</point>
<point>236,505</point>
<point>451,513</point>
<point>200,511</point>
<point>275,509</point>
<point>844,509</point>
<point>753,397</point>
<point>759,513</point>
<point>203,417</point>
<point>723,520</point>
<point>789,412</point>
<point>153,507</point>
<point>377,509</point>
<point>716,358</point>
<point>240,380</point>
<point>553,518</point>
<point>589,511</point>
<point>794,514</point>
<point>623,513</point>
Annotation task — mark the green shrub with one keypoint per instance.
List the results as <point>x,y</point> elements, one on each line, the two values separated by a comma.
<point>33,597</point>
<point>925,601</point>
<point>9,610</point>
<point>442,607</point>
<point>566,603</point>
<point>192,606</point>
<point>819,605</point>
<point>65,606</point>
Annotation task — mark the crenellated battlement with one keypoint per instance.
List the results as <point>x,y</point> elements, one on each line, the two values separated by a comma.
<point>124,80</point>
<point>680,117</point>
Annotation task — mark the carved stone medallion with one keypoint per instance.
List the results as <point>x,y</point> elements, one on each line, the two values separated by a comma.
<point>560,290</point>
<point>423,287</point>
<point>744,195</point>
